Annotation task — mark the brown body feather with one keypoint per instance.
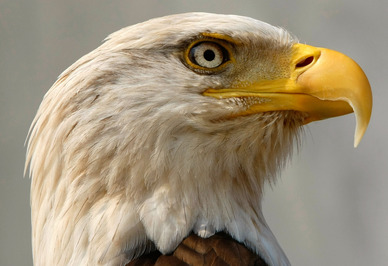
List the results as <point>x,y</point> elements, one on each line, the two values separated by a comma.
<point>217,250</point>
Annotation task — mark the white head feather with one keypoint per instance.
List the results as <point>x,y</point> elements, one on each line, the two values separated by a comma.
<point>127,154</point>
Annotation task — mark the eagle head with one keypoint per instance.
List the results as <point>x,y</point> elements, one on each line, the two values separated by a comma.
<point>172,126</point>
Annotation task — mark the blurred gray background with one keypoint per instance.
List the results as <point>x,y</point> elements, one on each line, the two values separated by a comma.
<point>330,205</point>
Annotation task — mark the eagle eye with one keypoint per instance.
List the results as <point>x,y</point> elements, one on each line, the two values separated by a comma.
<point>208,55</point>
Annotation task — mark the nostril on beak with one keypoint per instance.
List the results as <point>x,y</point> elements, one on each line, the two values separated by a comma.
<point>305,62</point>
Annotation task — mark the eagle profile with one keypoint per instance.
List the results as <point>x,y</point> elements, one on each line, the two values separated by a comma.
<point>171,127</point>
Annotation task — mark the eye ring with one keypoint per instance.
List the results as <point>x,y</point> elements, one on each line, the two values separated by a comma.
<point>207,55</point>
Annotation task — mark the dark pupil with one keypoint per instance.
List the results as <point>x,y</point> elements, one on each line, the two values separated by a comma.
<point>209,55</point>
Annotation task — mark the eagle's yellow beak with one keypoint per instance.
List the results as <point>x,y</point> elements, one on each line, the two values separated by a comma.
<point>322,83</point>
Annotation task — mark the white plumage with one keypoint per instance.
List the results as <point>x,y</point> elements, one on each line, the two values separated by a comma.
<point>126,153</point>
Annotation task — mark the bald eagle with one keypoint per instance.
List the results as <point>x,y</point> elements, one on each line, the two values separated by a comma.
<point>171,127</point>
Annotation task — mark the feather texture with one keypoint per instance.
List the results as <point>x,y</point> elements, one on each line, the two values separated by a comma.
<point>219,249</point>
<point>127,156</point>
